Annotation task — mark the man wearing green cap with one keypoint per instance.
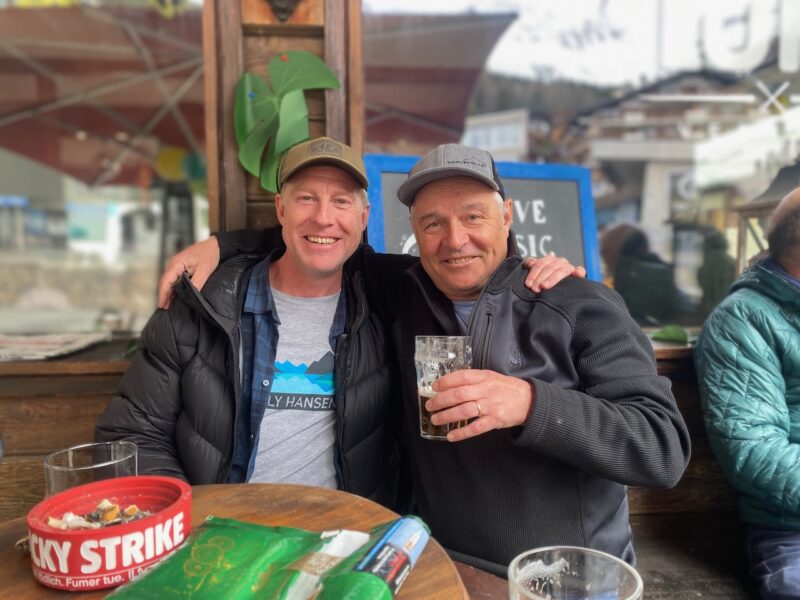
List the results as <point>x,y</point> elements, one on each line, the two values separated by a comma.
<point>255,378</point>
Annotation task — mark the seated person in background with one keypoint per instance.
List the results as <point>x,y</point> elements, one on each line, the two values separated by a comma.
<point>748,363</point>
<point>611,241</point>
<point>717,272</point>
<point>279,371</point>
<point>564,402</point>
<point>645,282</point>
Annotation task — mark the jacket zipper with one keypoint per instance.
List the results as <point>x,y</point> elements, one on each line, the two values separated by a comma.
<point>236,369</point>
<point>341,471</point>
<point>224,473</point>
<point>484,352</point>
<point>342,354</point>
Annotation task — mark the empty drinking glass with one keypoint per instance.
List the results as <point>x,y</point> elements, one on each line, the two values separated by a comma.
<point>88,462</point>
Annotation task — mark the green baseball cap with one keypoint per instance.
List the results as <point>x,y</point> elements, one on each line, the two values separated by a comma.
<point>322,151</point>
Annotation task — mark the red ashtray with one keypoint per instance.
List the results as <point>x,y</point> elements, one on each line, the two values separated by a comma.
<point>93,559</point>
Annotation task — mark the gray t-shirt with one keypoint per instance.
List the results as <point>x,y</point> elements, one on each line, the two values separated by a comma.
<point>298,434</point>
<point>463,310</point>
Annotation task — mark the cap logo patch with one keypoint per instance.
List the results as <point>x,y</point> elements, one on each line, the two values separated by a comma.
<point>324,146</point>
<point>466,161</point>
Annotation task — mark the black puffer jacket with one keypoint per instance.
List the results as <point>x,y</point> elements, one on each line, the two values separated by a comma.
<point>180,396</point>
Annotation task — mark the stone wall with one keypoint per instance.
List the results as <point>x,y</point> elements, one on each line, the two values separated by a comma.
<point>123,295</point>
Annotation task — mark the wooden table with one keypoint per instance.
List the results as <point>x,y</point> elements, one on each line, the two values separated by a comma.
<point>435,576</point>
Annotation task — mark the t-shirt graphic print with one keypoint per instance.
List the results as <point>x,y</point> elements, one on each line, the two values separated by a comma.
<point>303,387</point>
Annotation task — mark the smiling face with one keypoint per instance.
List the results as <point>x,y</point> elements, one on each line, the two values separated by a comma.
<point>323,213</point>
<point>461,232</point>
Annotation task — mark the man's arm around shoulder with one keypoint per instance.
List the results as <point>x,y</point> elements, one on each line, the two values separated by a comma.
<point>248,241</point>
<point>572,292</point>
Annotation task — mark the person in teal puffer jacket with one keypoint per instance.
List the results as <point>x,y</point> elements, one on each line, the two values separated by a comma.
<point>748,364</point>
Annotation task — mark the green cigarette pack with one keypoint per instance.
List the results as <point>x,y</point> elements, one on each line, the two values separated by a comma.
<point>225,558</point>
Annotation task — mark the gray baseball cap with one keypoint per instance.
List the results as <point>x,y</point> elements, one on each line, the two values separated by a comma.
<point>450,160</point>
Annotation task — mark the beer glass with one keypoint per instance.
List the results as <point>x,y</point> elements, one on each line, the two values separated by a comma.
<point>572,573</point>
<point>88,462</point>
<point>434,356</point>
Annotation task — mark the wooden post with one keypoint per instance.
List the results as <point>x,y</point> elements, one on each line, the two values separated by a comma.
<point>222,50</point>
<point>355,76</point>
<point>336,125</point>
<point>243,35</point>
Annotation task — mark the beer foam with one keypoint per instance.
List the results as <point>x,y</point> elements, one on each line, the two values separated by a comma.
<point>426,391</point>
<point>536,576</point>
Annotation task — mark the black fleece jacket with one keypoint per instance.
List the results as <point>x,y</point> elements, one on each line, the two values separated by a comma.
<point>601,418</point>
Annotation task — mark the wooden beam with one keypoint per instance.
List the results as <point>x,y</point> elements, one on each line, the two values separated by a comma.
<point>336,57</point>
<point>222,50</point>
<point>355,76</point>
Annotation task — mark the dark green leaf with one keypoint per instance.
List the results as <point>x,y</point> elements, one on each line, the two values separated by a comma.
<point>269,170</point>
<point>293,123</point>
<point>270,118</point>
<point>251,151</point>
<point>292,128</point>
<point>299,70</point>
<point>254,102</point>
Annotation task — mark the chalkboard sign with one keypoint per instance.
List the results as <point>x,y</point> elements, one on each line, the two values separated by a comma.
<point>553,209</point>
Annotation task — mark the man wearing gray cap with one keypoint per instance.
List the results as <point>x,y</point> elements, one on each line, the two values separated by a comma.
<point>564,402</point>
<point>566,405</point>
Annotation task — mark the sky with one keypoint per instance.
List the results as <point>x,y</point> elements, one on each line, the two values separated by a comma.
<point>614,42</point>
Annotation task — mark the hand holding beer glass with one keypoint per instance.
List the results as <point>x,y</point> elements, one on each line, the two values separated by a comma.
<point>435,356</point>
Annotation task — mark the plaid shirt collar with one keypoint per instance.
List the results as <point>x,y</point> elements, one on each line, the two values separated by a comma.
<point>258,300</point>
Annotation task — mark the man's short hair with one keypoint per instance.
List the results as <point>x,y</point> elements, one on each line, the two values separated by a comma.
<point>784,237</point>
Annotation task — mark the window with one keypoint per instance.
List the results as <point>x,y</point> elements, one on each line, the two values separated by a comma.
<point>101,135</point>
<point>684,111</point>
